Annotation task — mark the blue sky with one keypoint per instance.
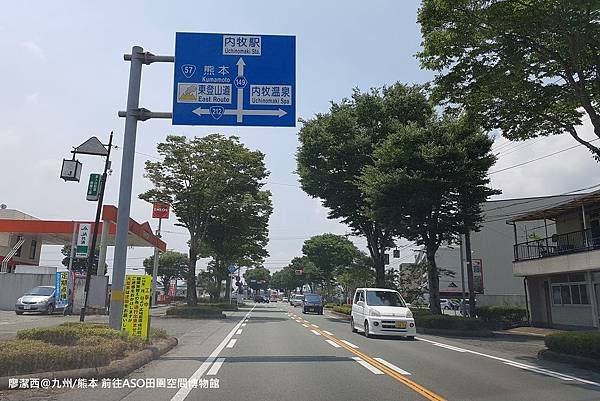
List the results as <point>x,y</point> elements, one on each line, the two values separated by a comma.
<point>63,79</point>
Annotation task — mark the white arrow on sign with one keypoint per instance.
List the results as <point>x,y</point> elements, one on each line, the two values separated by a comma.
<point>240,64</point>
<point>279,113</point>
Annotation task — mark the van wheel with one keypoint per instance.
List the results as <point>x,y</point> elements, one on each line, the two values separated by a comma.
<point>352,325</point>
<point>367,334</point>
<point>410,338</point>
<point>50,309</point>
<point>18,313</point>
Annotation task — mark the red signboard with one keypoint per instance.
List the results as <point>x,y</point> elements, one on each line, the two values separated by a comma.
<point>160,211</point>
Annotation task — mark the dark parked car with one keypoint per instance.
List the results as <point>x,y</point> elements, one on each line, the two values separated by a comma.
<point>312,303</point>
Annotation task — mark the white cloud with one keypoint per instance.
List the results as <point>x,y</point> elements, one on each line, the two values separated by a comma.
<point>34,49</point>
<point>32,97</point>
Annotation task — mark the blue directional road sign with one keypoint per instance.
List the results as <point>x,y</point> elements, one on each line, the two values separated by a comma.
<point>231,268</point>
<point>236,80</point>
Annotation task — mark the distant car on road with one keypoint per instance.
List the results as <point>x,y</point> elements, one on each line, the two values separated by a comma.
<point>284,299</point>
<point>380,311</point>
<point>297,300</point>
<point>38,299</point>
<point>259,299</point>
<point>312,303</point>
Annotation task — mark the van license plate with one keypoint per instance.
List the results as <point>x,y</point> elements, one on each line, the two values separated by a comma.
<point>26,307</point>
<point>400,324</point>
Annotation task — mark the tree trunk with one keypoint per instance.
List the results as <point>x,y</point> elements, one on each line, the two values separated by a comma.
<point>433,282</point>
<point>471,281</point>
<point>228,288</point>
<point>376,255</point>
<point>192,297</point>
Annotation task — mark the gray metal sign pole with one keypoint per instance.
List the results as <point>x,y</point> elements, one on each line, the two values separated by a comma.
<point>132,115</point>
<point>155,266</point>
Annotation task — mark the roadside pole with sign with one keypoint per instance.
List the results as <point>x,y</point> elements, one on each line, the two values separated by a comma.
<point>159,211</point>
<point>136,306</point>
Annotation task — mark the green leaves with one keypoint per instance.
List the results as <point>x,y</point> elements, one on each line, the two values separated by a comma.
<point>529,68</point>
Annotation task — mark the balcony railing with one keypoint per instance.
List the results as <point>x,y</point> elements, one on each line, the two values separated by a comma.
<point>558,244</point>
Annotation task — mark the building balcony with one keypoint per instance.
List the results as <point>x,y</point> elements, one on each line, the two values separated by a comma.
<point>573,251</point>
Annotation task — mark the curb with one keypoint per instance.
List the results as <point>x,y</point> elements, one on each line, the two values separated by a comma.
<point>579,361</point>
<point>455,333</point>
<point>118,368</point>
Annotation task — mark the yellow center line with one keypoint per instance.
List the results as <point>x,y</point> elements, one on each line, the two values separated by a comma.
<point>430,395</point>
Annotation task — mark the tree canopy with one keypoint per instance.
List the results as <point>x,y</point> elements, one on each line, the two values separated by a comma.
<point>257,278</point>
<point>202,179</point>
<point>429,183</point>
<point>335,148</point>
<point>171,265</point>
<point>527,67</point>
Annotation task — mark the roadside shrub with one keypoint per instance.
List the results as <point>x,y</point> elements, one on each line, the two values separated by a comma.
<point>418,312</point>
<point>158,334</point>
<point>502,316</point>
<point>69,334</point>
<point>31,356</point>
<point>579,343</point>
<point>345,309</point>
<point>220,305</point>
<point>330,305</point>
<point>448,322</point>
<point>196,312</point>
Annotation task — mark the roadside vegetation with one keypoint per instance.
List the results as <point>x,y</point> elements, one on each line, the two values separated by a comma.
<point>578,343</point>
<point>68,346</point>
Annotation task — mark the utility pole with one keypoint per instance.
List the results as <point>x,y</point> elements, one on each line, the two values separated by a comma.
<point>155,267</point>
<point>470,274</point>
<point>462,276</point>
<point>92,251</point>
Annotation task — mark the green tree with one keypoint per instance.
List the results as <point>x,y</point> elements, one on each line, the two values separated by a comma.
<point>171,265</point>
<point>430,183</point>
<point>257,278</point>
<point>527,67</point>
<point>311,274</point>
<point>359,273</point>
<point>239,236</point>
<point>197,177</point>
<point>336,147</point>
<point>328,252</point>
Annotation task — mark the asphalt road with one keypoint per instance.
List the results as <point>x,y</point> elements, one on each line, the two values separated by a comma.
<point>274,352</point>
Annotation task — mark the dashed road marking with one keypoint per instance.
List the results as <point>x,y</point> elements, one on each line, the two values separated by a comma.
<point>237,333</point>
<point>315,332</point>
<point>315,326</point>
<point>333,344</point>
<point>231,343</point>
<point>305,325</point>
<point>348,343</point>
<point>393,367</point>
<point>214,369</point>
<point>368,366</point>
<point>243,324</point>
<point>327,332</point>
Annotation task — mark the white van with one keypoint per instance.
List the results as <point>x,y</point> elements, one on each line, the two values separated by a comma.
<point>379,311</point>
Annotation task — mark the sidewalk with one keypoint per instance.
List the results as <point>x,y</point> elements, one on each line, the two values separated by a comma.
<point>529,331</point>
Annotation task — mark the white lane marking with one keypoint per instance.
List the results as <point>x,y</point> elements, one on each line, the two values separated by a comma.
<point>315,326</point>
<point>316,333</point>
<point>244,325</point>
<point>305,325</point>
<point>523,366</point>
<point>231,343</point>
<point>184,391</point>
<point>336,345</point>
<point>214,369</point>
<point>450,347</point>
<point>349,344</point>
<point>328,332</point>
<point>520,366</point>
<point>392,366</point>
<point>237,333</point>
<point>372,368</point>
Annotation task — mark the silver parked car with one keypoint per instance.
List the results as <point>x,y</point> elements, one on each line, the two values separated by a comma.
<point>37,299</point>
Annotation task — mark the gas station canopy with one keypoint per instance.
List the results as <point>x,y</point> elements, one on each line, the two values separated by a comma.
<point>60,232</point>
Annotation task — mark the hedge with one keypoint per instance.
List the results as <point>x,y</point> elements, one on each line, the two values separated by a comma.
<point>579,343</point>
<point>345,309</point>
<point>65,347</point>
<point>330,305</point>
<point>502,316</point>
<point>448,322</point>
<point>196,312</point>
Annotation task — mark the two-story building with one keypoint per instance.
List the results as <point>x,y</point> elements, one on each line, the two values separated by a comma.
<point>562,267</point>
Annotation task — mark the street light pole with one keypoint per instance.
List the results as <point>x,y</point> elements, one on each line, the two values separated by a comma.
<point>462,276</point>
<point>92,251</point>
<point>155,266</point>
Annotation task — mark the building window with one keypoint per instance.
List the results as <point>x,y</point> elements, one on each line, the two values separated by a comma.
<point>32,249</point>
<point>569,289</point>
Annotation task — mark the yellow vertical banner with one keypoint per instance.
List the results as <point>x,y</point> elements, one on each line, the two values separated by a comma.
<point>136,305</point>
